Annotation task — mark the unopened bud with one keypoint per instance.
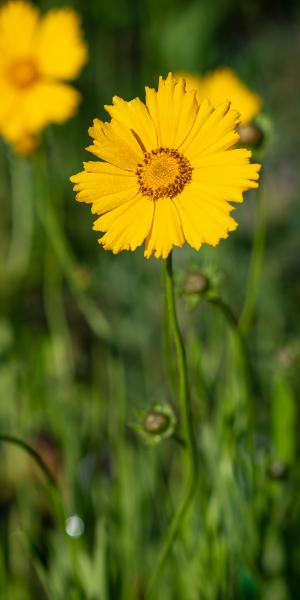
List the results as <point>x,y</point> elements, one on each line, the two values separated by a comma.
<point>278,470</point>
<point>156,422</point>
<point>250,135</point>
<point>196,283</point>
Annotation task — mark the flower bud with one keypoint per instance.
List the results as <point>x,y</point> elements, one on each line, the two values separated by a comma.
<point>156,422</point>
<point>278,470</point>
<point>250,135</point>
<point>196,283</point>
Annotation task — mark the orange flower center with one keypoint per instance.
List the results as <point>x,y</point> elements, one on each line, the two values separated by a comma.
<point>23,73</point>
<point>163,173</point>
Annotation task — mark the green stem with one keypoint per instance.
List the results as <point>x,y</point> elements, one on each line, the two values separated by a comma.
<point>234,325</point>
<point>256,261</point>
<point>22,216</point>
<point>187,428</point>
<point>11,439</point>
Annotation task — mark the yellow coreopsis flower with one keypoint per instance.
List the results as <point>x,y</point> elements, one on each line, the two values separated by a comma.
<point>168,173</point>
<point>223,84</point>
<point>38,55</point>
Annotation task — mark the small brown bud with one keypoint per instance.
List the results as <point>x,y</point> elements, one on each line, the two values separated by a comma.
<point>278,470</point>
<point>196,283</point>
<point>156,422</point>
<point>250,135</point>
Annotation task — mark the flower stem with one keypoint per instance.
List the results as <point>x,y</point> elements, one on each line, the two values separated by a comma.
<point>187,428</point>
<point>11,439</point>
<point>22,216</point>
<point>255,268</point>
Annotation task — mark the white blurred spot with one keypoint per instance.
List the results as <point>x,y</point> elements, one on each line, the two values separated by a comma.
<point>74,526</point>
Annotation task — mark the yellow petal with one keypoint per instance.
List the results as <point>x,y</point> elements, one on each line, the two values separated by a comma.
<point>127,226</point>
<point>104,185</point>
<point>60,50</point>
<point>115,144</point>
<point>135,116</point>
<point>173,111</point>
<point>203,220</point>
<point>166,230</point>
<point>18,24</point>
<point>226,175</point>
<point>215,133</point>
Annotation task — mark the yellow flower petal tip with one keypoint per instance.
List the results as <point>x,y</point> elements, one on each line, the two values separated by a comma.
<point>39,55</point>
<point>167,171</point>
<point>223,84</point>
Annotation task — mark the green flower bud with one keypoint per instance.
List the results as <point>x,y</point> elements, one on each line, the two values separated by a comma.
<point>196,283</point>
<point>156,422</point>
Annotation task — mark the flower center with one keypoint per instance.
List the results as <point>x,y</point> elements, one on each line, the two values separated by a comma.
<point>163,173</point>
<point>23,73</point>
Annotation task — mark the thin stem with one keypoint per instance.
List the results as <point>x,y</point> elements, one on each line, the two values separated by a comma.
<point>187,427</point>
<point>11,439</point>
<point>22,216</point>
<point>256,261</point>
<point>234,325</point>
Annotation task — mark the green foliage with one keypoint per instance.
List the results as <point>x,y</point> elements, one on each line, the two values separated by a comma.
<point>82,343</point>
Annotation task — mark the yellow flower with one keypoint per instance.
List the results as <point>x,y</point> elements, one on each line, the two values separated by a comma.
<point>37,55</point>
<point>168,171</point>
<point>223,84</point>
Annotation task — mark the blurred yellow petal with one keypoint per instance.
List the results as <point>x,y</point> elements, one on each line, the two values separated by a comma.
<point>60,50</point>
<point>36,54</point>
<point>221,85</point>
<point>50,102</point>
<point>18,25</point>
<point>40,105</point>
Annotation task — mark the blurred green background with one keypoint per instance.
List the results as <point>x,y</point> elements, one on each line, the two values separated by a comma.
<point>81,341</point>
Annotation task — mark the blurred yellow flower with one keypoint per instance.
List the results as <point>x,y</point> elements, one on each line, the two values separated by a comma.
<point>169,171</point>
<point>37,55</point>
<point>223,84</point>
